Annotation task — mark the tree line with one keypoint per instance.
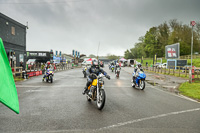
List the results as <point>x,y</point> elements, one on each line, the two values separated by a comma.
<point>156,38</point>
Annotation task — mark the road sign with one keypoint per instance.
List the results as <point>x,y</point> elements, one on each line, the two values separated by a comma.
<point>193,23</point>
<point>172,51</point>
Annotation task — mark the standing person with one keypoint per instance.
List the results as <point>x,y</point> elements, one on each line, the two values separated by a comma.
<point>21,65</point>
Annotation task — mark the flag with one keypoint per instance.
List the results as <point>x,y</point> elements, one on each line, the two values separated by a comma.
<point>8,91</point>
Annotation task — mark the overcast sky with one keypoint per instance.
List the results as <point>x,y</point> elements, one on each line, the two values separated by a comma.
<point>64,25</point>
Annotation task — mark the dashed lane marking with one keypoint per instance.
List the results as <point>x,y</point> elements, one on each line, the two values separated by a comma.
<point>148,118</point>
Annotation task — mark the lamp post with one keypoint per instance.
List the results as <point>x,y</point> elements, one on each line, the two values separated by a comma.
<point>192,23</point>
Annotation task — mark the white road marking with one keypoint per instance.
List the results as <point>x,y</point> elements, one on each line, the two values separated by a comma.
<point>149,118</point>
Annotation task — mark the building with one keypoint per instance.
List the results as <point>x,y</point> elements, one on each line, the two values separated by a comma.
<point>13,35</point>
<point>40,56</point>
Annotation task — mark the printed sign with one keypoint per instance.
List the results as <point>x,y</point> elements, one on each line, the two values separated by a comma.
<point>21,58</point>
<point>172,51</point>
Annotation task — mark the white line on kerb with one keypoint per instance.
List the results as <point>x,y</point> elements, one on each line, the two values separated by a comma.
<point>148,118</point>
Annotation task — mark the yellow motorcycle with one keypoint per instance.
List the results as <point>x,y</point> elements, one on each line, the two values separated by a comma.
<point>96,91</point>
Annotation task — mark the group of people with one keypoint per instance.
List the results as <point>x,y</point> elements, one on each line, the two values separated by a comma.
<point>95,69</point>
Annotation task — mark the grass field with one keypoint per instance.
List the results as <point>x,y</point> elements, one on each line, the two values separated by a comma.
<point>190,90</point>
<point>195,62</point>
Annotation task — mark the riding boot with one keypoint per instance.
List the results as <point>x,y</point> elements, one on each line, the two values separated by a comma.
<point>84,90</point>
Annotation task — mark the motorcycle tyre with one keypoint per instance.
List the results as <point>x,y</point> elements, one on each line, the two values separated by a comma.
<point>51,79</point>
<point>100,107</point>
<point>88,99</point>
<point>143,85</point>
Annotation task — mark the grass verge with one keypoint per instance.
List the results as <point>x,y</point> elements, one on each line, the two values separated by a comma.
<point>190,90</point>
<point>18,79</point>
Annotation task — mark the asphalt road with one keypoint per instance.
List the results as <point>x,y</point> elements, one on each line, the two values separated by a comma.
<point>61,107</point>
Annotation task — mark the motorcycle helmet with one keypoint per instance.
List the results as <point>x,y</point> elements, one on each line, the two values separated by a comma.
<point>95,63</point>
<point>139,65</point>
<point>48,63</point>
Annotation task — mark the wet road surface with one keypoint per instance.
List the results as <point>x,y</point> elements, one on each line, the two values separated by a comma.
<point>61,107</point>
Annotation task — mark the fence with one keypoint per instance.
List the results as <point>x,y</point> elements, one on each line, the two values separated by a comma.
<point>38,69</point>
<point>17,71</point>
<point>176,71</point>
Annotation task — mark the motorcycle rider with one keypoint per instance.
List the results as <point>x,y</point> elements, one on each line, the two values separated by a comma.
<point>47,66</point>
<point>95,68</point>
<point>137,69</point>
<point>117,66</point>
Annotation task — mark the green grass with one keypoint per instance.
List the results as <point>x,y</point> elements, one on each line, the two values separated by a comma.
<point>195,62</point>
<point>18,79</point>
<point>191,90</point>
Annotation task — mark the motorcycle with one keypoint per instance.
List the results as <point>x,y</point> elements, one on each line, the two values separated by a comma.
<point>84,71</point>
<point>49,75</point>
<point>117,71</point>
<point>96,91</point>
<point>140,79</point>
<point>112,68</point>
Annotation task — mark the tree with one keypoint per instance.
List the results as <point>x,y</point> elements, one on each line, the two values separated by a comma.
<point>92,56</point>
<point>112,57</point>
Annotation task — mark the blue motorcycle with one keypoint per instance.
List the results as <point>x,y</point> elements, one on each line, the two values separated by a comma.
<point>139,81</point>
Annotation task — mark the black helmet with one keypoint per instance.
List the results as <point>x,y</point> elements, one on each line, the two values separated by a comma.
<point>95,63</point>
<point>139,65</point>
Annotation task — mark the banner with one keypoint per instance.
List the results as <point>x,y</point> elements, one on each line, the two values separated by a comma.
<point>8,91</point>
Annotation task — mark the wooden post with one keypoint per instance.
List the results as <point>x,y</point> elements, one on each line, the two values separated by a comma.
<point>179,71</point>
<point>174,71</point>
<point>169,71</point>
<point>186,72</point>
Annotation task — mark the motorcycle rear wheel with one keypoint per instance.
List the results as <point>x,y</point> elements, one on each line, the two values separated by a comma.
<point>102,99</point>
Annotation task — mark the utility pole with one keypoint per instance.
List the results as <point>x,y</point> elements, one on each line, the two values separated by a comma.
<point>98,51</point>
<point>193,23</point>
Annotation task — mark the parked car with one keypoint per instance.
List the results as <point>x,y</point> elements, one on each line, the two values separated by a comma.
<point>186,67</point>
<point>86,63</point>
<point>164,65</point>
<point>157,64</point>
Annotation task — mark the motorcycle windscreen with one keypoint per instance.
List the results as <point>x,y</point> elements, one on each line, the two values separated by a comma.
<point>142,75</point>
<point>94,83</point>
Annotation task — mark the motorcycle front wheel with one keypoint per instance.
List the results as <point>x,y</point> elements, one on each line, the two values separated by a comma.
<point>47,79</point>
<point>88,98</point>
<point>142,85</point>
<point>51,79</point>
<point>101,100</point>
